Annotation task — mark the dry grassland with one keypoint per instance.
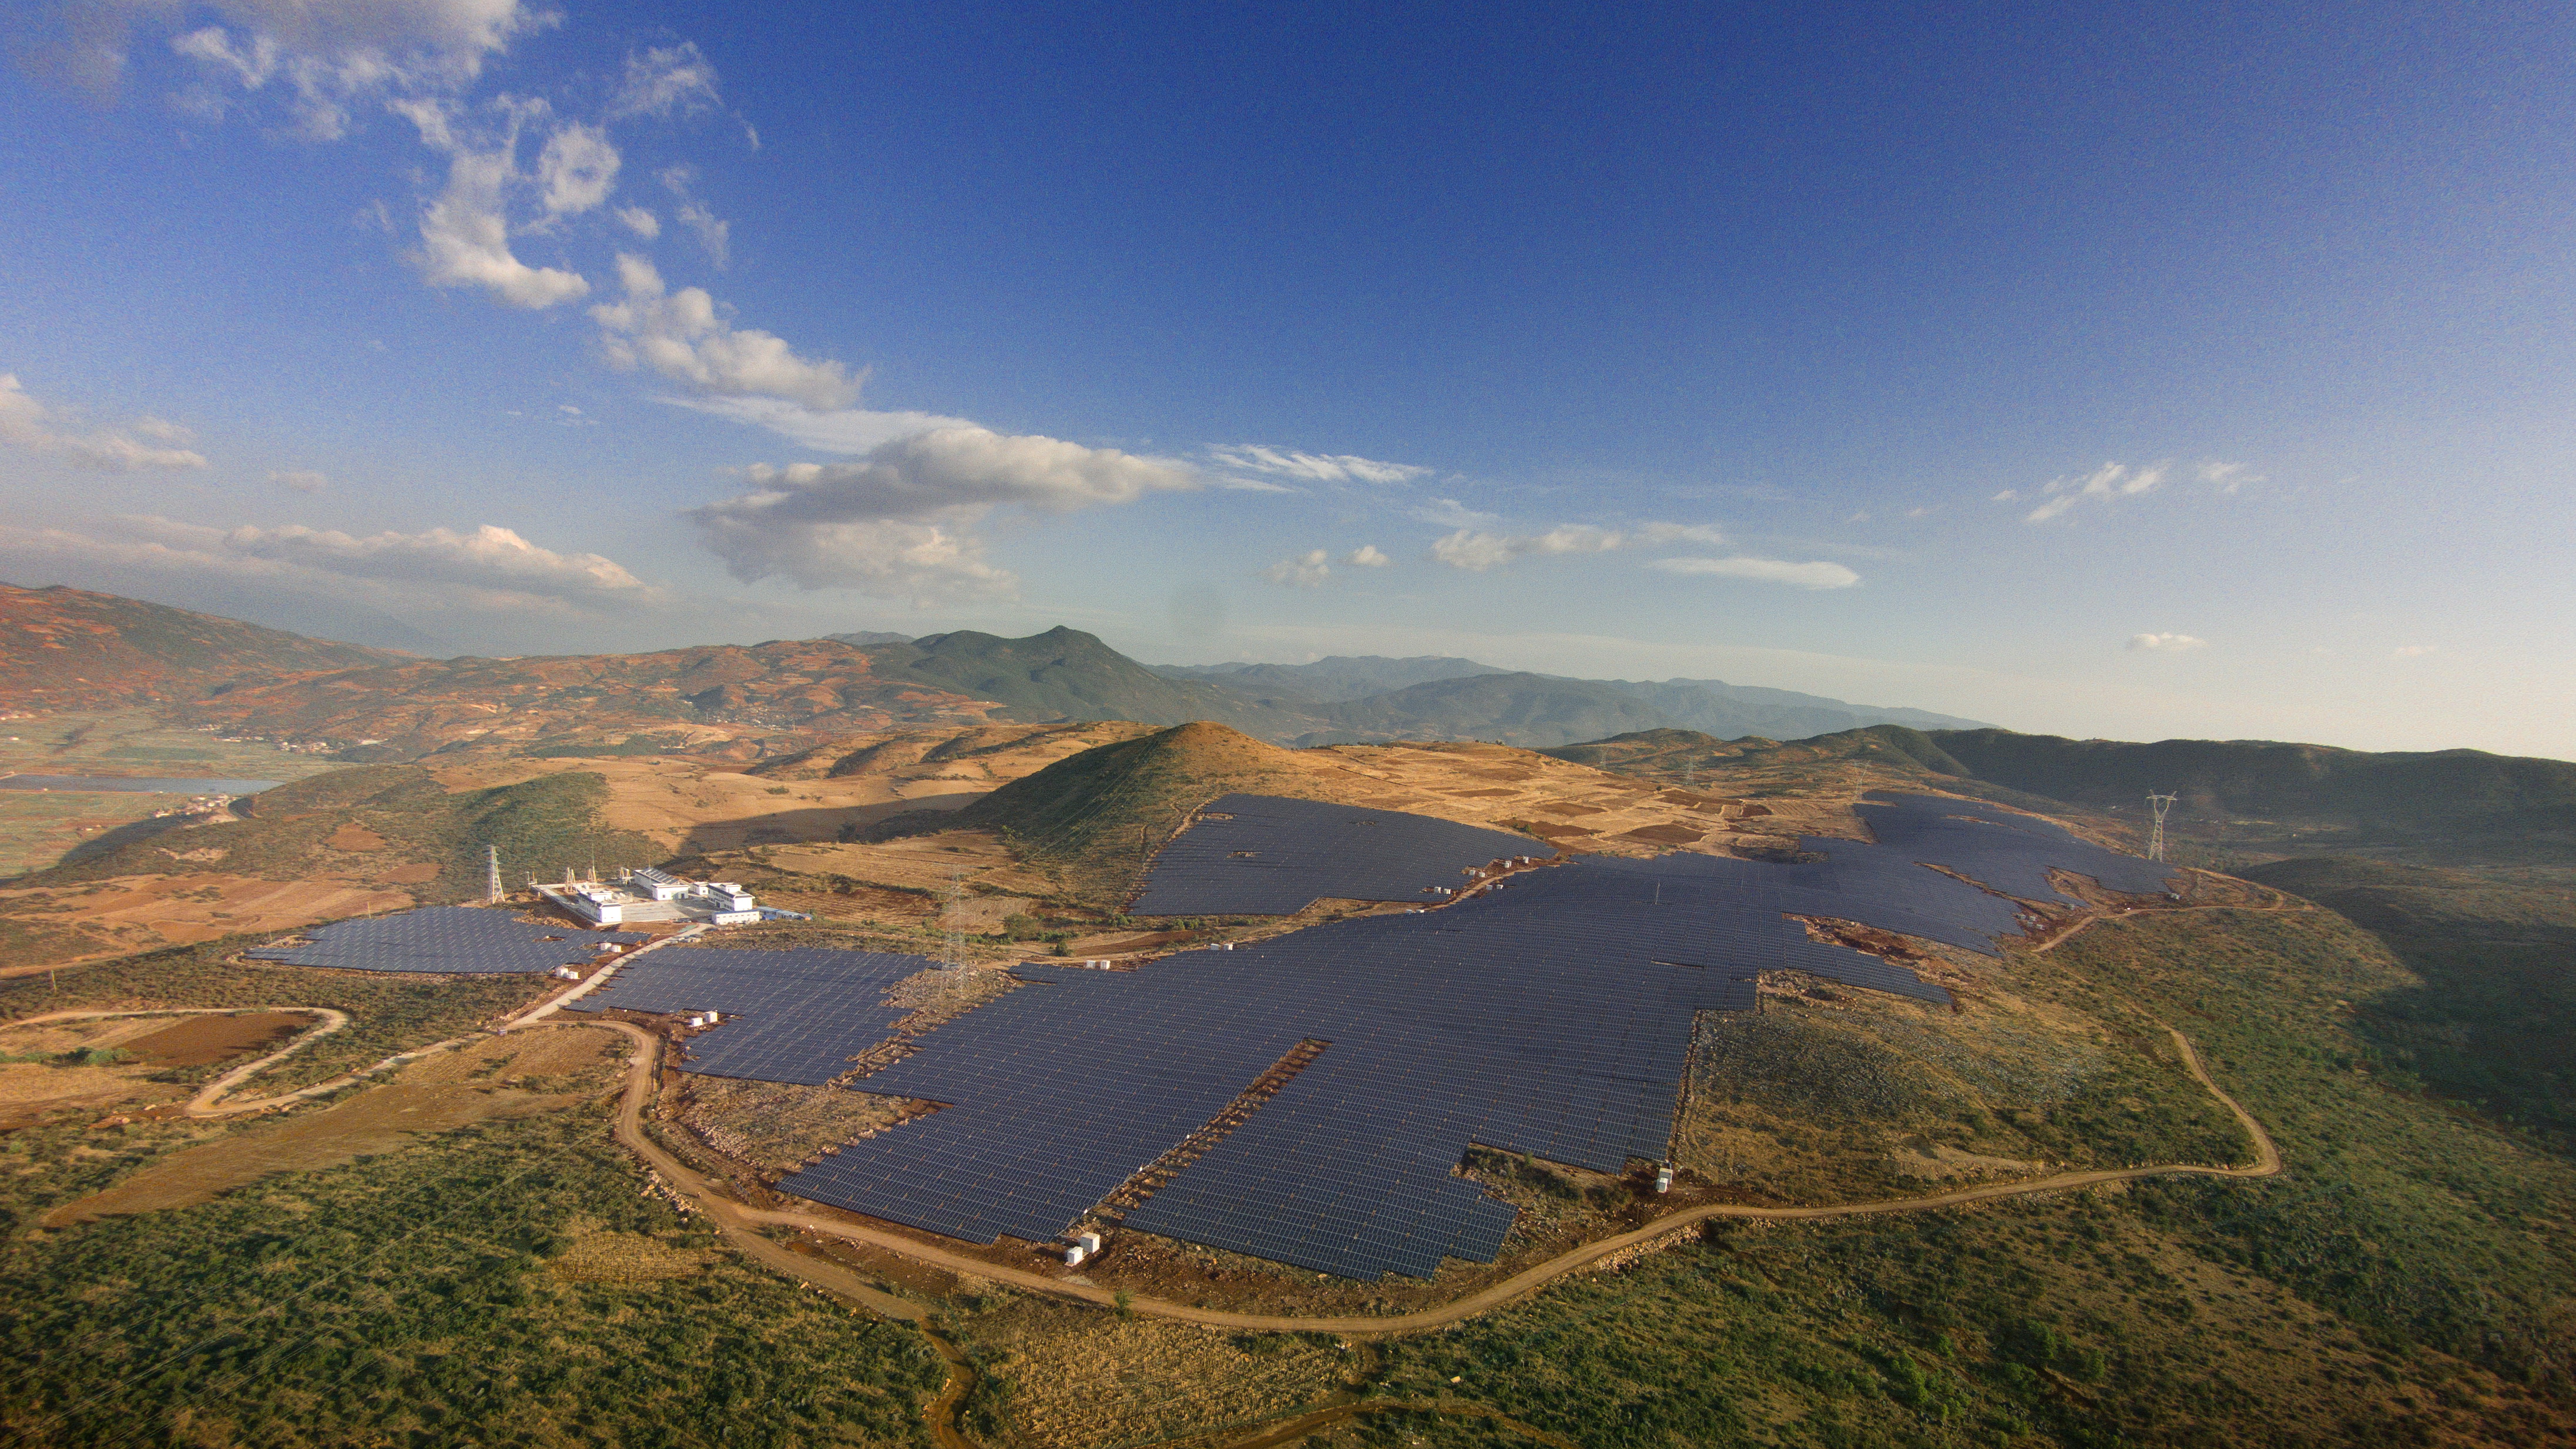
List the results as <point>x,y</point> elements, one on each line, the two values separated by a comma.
<point>513,1076</point>
<point>37,1088</point>
<point>126,915</point>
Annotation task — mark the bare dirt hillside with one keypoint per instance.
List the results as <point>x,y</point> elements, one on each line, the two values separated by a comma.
<point>64,649</point>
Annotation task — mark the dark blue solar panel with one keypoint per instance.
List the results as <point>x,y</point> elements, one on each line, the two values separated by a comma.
<point>454,940</point>
<point>1266,856</point>
<point>1553,1018</point>
<point>788,1016</point>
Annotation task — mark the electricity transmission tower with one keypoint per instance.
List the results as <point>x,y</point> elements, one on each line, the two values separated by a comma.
<point>491,875</point>
<point>2156,836</point>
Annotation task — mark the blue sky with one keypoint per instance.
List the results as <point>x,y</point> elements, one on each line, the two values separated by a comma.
<point>2129,371</point>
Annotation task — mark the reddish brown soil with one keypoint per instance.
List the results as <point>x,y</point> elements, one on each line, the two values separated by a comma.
<point>199,1041</point>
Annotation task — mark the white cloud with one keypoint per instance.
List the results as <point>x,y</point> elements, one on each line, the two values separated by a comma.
<point>2225,477</point>
<point>1366,556</point>
<point>301,480</point>
<point>330,57</point>
<point>465,232</point>
<point>713,234</point>
<point>895,523</point>
<point>679,335</point>
<point>1314,467</point>
<point>1478,551</point>
<point>1306,571</point>
<point>1814,575</point>
<point>2166,643</point>
<point>664,80</point>
<point>2106,483</point>
<point>1450,513</point>
<point>2411,651</point>
<point>489,567</point>
<point>835,430</point>
<point>639,221</point>
<point>1680,533</point>
<point>577,169</point>
<point>29,424</point>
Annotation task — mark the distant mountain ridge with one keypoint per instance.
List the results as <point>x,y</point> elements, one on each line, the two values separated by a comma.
<point>63,648</point>
<point>77,650</point>
<point>1440,698</point>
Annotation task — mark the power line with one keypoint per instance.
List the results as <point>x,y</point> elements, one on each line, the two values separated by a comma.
<point>2156,837</point>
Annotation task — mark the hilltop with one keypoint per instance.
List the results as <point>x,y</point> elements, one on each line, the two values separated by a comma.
<point>1066,674</point>
<point>64,649</point>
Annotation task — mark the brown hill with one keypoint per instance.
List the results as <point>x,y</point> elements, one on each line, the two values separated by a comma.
<point>673,699</point>
<point>68,649</point>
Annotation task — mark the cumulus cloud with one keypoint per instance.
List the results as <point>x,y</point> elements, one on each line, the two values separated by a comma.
<point>326,59</point>
<point>1478,551</point>
<point>1812,575</point>
<point>1314,467</point>
<point>1366,556</point>
<point>639,221</point>
<point>897,522</point>
<point>666,80</point>
<point>301,480</point>
<point>489,567</point>
<point>2166,643</point>
<point>577,169</point>
<point>29,424</point>
<point>1306,571</point>
<point>679,335</point>
<point>465,231</point>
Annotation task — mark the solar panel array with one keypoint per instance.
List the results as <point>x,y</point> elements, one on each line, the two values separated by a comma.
<point>459,940</point>
<point>788,1016</point>
<point>1552,1017</point>
<point>1272,856</point>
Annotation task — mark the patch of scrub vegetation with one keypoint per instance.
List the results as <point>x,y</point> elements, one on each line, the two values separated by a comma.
<point>1057,1376</point>
<point>1852,1095</point>
<point>2495,951</point>
<point>508,1284</point>
<point>388,1012</point>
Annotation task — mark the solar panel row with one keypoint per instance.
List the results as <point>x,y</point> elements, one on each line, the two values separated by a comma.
<point>790,1016</point>
<point>1263,855</point>
<point>459,940</point>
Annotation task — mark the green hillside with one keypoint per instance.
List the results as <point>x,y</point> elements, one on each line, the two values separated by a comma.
<point>2460,803</point>
<point>540,825</point>
<point>1093,818</point>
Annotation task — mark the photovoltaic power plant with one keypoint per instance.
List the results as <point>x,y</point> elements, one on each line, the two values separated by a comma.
<point>1264,855</point>
<point>459,940</point>
<point>1553,1017</point>
<point>790,1016</point>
